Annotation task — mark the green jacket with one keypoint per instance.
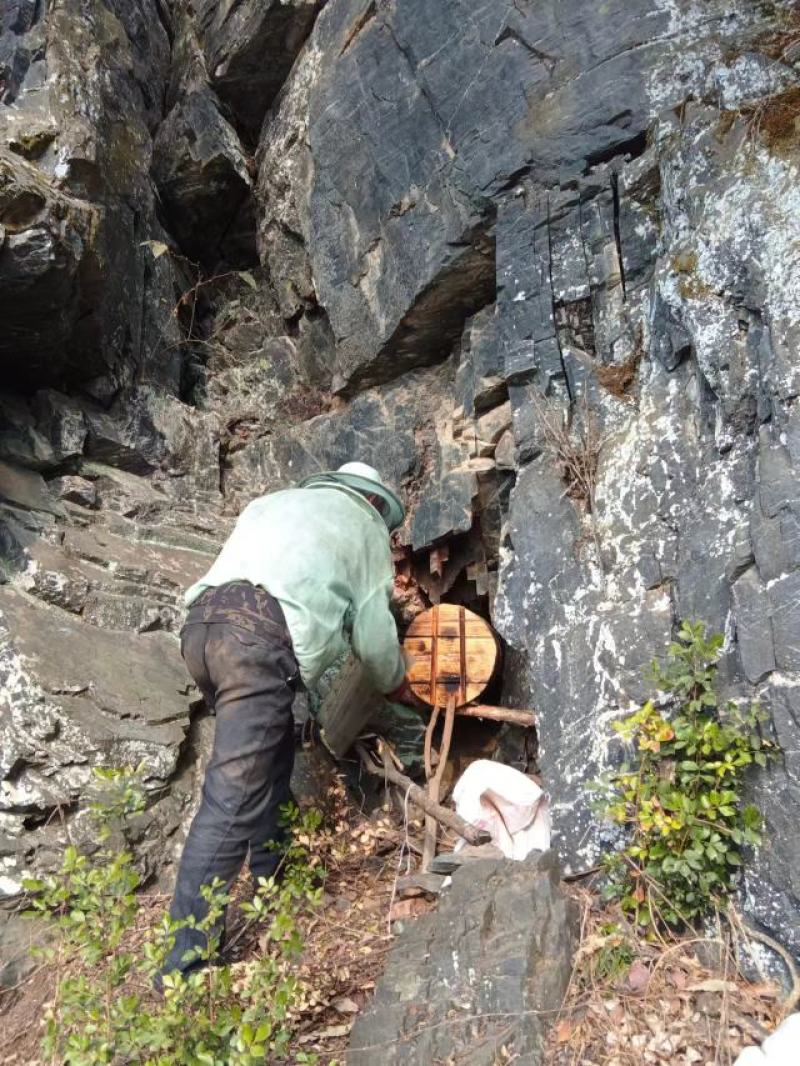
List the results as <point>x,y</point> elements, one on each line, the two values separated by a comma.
<point>323,552</point>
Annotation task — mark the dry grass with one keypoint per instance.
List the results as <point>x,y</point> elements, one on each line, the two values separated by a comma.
<point>776,121</point>
<point>577,447</point>
<point>617,378</point>
<point>304,402</point>
<point>782,42</point>
<point>682,1002</point>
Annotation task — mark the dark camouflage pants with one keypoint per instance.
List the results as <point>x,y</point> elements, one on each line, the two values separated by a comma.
<point>237,649</point>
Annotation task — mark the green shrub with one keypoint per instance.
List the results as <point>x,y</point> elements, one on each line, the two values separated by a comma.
<point>680,799</point>
<point>104,1010</point>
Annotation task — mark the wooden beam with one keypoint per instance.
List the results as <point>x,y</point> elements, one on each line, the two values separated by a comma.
<point>526,719</point>
<point>435,782</point>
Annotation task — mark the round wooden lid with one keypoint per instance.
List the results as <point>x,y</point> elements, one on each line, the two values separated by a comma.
<point>449,650</point>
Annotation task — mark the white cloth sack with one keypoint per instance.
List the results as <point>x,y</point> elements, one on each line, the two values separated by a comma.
<point>782,1048</point>
<point>500,799</point>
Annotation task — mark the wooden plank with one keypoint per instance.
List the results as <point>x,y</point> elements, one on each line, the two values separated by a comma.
<point>475,626</point>
<point>479,665</point>
<point>448,620</point>
<point>462,651</point>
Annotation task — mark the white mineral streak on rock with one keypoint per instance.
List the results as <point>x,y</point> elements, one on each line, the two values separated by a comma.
<point>749,77</point>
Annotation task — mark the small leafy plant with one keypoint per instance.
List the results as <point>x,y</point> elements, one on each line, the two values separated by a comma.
<point>104,1010</point>
<point>680,800</point>
<point>615,953</point>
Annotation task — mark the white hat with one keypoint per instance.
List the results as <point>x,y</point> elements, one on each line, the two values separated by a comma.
<point>364,479</point>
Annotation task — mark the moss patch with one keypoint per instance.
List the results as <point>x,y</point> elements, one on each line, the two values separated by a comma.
<point>684,262</point>
<point>31,145</point>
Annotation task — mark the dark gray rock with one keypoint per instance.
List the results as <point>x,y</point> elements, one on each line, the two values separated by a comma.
<point>671,342</point>
<point>93,565</point>
<point>148,27</point>
<point>18,16</point>
<point>26,488</point>
<point>21,440</point>
<point>125,438</point>
<point>41,256</point>
<point>561,206</point>
<point>85,680</point>
<point>378,425</point>
<point>487,969</point>
<point>526,323</point>
<point>147,430</point>
<point>79,301</point>
<point>249,50</point>
<point>445,506</point>
<point>201,173</point>
<point>771,886</point>
<point>96,692</point>
<point>454,96</point>
<point>784,603</point>
<point>753,627</point>
<point>18,45</point>
<point>75,489</point>
<point>62,422</point>
<point>362,283</point>
<point>480,382</point>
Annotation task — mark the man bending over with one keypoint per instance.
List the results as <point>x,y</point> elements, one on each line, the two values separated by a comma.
<point>303,568</point>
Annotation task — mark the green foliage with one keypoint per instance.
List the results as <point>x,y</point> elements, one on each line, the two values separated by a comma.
<point>614,955</point>
<point>104,1010</point>
<point>92,902</point>
<point>680,801</point>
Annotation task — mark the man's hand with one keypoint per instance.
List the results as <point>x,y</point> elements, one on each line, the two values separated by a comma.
<point>403,694</point>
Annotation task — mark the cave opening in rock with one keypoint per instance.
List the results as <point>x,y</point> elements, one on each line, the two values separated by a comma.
<point>462,569</point>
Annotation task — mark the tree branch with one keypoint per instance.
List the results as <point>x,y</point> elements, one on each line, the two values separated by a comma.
<point>420,798</point>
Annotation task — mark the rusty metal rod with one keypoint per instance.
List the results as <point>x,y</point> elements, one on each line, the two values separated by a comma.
<point>525,719</point>
<point>420,798</point>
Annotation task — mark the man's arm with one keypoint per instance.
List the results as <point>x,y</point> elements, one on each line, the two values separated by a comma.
<point>375,641</point>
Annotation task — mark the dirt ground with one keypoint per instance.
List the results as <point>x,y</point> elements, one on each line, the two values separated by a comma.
<point>681,1001</point>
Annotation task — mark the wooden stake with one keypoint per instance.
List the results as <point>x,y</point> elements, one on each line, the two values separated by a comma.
<point>434,784</point>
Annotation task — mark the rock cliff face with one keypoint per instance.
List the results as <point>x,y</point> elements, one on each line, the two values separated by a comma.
<point>538,261</point>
